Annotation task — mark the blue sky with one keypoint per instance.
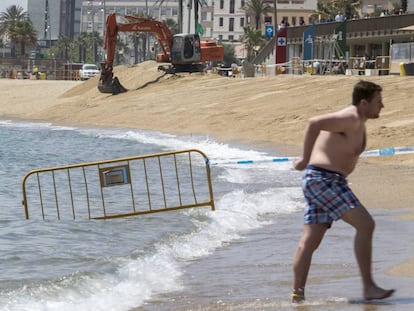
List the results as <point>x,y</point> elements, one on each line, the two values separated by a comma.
<point>4,4</point>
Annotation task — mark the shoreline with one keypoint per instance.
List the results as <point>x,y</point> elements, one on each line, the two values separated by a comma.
<point>267,113</point>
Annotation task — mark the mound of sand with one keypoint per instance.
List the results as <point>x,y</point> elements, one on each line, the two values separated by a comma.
<point>132,77</point>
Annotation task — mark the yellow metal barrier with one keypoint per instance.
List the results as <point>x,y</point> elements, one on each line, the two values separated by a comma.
<point>121,187</point>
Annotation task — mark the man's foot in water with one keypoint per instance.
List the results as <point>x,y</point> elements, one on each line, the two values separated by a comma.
<point>298,295</point>
<point>376,292</point>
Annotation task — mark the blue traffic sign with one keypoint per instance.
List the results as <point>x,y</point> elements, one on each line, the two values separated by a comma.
<point>268,31</point>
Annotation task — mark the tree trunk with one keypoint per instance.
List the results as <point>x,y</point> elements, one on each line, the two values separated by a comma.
<point>22,49</point>
<point>180,16</point>
<point>195,15</point>
<point>136,41</point>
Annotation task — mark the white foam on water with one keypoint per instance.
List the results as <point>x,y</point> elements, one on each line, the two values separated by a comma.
<point>135,279</point>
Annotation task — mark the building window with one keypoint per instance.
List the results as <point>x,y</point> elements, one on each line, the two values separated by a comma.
<point>231,38</point>
<point>164,11</point>
<point>231,24</point>
<point>242,3</point>
<point>242,22</point>
<point>293,20</point>
<point>221,4</point>
<point>220,37</point>
<point>221,21</point>
<point>231,7</point>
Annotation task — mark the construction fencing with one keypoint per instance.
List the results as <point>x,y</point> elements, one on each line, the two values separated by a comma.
<point>353,66</point>
<point>119,187</point>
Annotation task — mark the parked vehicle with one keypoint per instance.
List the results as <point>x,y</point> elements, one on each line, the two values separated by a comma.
<point>88,71</point>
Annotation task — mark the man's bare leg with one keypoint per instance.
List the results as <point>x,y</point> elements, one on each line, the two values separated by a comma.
<point>364,224</point>
<point>311,238</point>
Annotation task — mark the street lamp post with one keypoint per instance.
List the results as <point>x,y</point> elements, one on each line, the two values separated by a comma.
<point>102,52</point>
<point>189,7</point>
<point>50,36</point>
<point>147,47</point>
<point>48,27</point>
<point>104,13</point>
<point>275,16</point>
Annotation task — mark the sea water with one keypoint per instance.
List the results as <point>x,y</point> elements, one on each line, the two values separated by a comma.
<point>237,257</point>
<point>120,264</point>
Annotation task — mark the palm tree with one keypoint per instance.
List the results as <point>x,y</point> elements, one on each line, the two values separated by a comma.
<point>15,24</point>
<point>24,35</point>
<point>87,43</point>
<point>252,39</point>
<point>96,41</point>
<point>9,18</point>
<point>63,47</point>
<point>347,7</point>
<point>139,39</point>
<point>257,8</point>
<point>82,43</point>
<point>229,55</point>
<point>180,13</point>
<point>172,25</point>
<point>197,4</point>
<point>121,51</point>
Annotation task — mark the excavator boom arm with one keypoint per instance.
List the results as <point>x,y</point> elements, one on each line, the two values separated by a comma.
<point>137,24</point>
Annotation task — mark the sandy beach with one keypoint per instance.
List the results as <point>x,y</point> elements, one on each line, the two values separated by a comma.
<point>265,112</point>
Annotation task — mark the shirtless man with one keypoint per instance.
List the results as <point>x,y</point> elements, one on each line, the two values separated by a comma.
<point>332,145</point>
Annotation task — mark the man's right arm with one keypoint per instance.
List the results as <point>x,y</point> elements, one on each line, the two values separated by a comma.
<point>311,134</point>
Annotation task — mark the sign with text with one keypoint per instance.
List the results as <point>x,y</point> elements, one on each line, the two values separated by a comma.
<point>114,176</point>
<point>308,41</point>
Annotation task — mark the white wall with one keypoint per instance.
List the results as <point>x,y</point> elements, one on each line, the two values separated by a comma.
<point>410,6</point>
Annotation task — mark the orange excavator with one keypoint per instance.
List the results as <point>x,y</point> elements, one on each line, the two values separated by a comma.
<point>184,52</point>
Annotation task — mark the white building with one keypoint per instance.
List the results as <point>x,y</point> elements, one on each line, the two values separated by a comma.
<point>93,13</point>
<point>230,16</point>
<point>229,20</point>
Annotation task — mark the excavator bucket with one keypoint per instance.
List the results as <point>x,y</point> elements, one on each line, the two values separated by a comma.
<point>108,83</point>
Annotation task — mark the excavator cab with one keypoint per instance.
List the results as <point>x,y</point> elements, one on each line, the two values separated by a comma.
<point>185,49</point>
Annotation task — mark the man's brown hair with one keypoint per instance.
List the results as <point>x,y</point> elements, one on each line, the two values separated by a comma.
<point>364,90</point>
